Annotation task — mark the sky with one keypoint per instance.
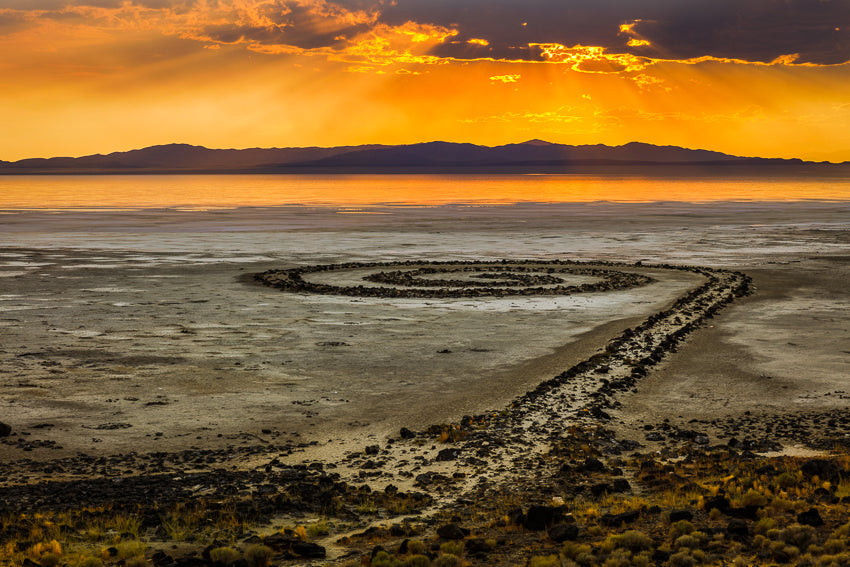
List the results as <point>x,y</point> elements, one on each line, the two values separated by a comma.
<point>768,78</point>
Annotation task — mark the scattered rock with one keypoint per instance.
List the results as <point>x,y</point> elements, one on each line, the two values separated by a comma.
<point>452,531</point>
<point>5,430</point>
<point>563,532</point>
<point>810,517</point>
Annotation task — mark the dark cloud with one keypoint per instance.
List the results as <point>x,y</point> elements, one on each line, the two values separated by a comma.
<point>754,30</point>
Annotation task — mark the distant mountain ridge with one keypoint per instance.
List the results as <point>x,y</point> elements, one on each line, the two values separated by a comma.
<point>534,154</point>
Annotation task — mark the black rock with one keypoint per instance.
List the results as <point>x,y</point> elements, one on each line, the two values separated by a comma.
<point>406,433</point>
<point>160,559</point>
<point>601,488</point>
<point>5,430</point>
<point>825,470</point>
<point>591,464</point>
<point>452,531</point>
<point>308,549</point>
<point>737,528</point>
<point>30,563</point>
<point>720,502</point>
<point>477,547</point>
<point>539,517</point>
<point>621,485</point>
<point>190,561</point>
<point>678,515</point>
<point>747,512</point>
<point>616,520</point>
<point>810,517</point>
<point>448,454</point>
<point>372,450</point>
<point>563,532</point>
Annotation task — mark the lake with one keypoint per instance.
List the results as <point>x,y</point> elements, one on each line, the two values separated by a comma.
<point>100,192</point>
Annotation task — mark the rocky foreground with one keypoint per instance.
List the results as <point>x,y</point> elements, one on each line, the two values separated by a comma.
<point>545,481</point>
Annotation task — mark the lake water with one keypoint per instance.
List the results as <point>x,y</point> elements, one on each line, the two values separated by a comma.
<point>229,191</point>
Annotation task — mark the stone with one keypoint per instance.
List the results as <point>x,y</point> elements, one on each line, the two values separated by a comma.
<point>451,531</point>
<point>308,549</point>
<point>405,433</point>
<point>678,515</point>
<point>810,517</point>
<point>448,454</point>
<point>538,518</point>
<point>5,429</point>
<point>737,528</point>
<point>563,532</point>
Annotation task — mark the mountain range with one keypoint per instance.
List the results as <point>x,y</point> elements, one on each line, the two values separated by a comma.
<point>533,155</point>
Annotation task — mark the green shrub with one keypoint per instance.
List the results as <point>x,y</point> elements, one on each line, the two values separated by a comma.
<point>799,536</point>
<point>224,555</point>
<point>258,555</point>
<point>416,547</point>
<point>383,559</point>
<point>634,541</point>
<point>417,561</point>
<point>682,559</point>
<point>452,548</point>
<point>128,549</point>
<point>680,528</point>
<point>545,561</point>
<point>447,560</point>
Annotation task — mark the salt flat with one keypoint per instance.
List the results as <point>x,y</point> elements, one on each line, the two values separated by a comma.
<point>144,331</point>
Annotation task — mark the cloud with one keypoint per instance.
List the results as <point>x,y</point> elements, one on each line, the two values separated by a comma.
<point>755,30</point>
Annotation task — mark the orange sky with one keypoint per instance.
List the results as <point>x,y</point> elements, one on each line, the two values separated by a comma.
<point>80,78</point>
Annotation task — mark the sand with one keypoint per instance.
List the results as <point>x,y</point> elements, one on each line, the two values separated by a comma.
<point>144,331</point>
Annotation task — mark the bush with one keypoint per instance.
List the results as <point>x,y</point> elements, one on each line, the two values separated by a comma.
<point>224,555</point>
<point>680,528</point>
<point>258,555</point>
<point>447,560</point>
<point>452,548</point>
<point>634,541</point>
<point>417,561</point>
<point>799,536</point>
<point>545,561</point>
<point>416,547</point>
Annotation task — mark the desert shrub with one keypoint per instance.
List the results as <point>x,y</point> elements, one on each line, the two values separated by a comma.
<point>786,480</point>
<point>687,541</point>
<point>680,528</point>
<point>545,561</point>
<point>224,555</point>
<point>753,498</point>
<point>452,548</point>
<point>49,559</point>
<point>417,561</point>
<point>571,549</point>
<point>447,560</point>
<point>619,558</point>
<point>127,549</point>
<point>258,555</point>
<point>318,529</point>
<point>90,562</point>
<point>799,536</point>
<point>682,559</point>
<point>383,559</point>
<point>764,524</point>
<point>138,561</point>
<point>633,540</point>
<point>842,532</point>
<point>834,546</point>
<point>416,547</point>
